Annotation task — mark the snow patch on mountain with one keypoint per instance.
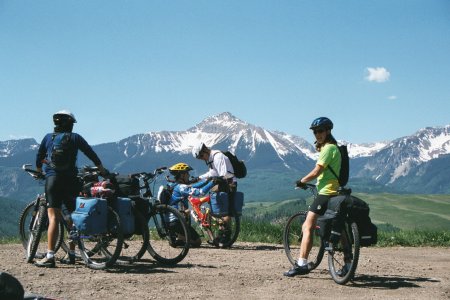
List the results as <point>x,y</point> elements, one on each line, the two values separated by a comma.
<point>363,150</point>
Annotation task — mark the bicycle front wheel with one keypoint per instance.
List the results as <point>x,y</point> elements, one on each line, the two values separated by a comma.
<point>292,237</point>
<point>101,251</point>
<point>169,240</point>
<point>343,258</point>
<point>26,223</point>
<point>36,229</point>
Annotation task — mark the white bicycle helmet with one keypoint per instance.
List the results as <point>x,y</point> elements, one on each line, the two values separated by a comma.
<point>64,115</point>
<point>198,147</point>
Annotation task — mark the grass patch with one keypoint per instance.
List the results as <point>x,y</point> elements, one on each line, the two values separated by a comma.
<point>265,232</point>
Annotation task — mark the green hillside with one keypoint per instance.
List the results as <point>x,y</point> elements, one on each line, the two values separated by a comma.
<point>10,211</point>
<point>408,212</point>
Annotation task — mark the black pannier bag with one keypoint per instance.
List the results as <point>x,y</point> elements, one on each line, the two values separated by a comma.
<point>332,222</point>
<point>358,211</point>
<point>127,186</point>
<point>142,206</point>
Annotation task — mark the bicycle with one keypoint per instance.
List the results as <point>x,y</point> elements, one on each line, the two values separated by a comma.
<point>33,224</point>
<point>211,223</point>
<point>163,244</point>
<point>98,251</point>
<point>343,256</point>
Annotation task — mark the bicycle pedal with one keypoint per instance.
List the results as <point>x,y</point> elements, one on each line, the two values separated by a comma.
<point>329,247</point>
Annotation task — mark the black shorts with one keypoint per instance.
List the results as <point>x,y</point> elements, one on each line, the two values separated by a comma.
<point>61,189</point>
<point>320,204</point>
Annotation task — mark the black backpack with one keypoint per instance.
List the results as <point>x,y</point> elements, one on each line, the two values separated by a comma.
<point>63,152</point>
<point>240,170</point>
<point>345,166</point>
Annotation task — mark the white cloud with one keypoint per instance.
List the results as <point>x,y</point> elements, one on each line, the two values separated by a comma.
<point>378,74</point>
<point>393,97</point>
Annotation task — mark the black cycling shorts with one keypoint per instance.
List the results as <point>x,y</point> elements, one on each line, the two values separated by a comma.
<point>320,204</point>
<point>61,189</point>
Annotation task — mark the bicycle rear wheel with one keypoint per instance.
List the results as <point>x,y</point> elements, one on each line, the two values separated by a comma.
<point>134,246</point>
<point>343,259</point>
<point>292,237</point>
<point>214,231</point>
<point>102,250</point>
<point>27,221</point>
<point>169,241</point>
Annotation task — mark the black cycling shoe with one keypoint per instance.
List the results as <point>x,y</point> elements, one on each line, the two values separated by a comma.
<point>297,270</point>
<point>69,259</point>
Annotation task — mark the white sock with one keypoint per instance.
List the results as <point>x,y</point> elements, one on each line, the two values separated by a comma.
<point>302,262</point>
<point>50,254</point>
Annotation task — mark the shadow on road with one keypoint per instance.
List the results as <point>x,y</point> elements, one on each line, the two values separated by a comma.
<point>391,282</point>
<point>256,247</point>
<point>148,266</point>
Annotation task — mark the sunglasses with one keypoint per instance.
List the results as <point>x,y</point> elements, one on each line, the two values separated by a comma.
<point>318,131</point>
<point>200,154</point>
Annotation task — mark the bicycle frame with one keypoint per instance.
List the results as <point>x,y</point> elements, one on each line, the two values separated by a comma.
<point>197,213</point>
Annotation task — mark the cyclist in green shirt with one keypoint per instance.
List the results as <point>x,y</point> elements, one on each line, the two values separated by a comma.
<point>327,186</point>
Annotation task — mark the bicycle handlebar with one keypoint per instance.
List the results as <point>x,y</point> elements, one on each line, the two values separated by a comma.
<point>149,175</point>
<point>33,173</point>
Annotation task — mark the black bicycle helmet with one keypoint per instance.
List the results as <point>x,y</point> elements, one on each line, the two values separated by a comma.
<point>321,122</point>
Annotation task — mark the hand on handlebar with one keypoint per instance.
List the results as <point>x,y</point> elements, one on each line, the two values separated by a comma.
<point>300,184</point>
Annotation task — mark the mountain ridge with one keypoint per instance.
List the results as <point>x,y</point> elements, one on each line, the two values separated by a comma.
<point>382,163</point>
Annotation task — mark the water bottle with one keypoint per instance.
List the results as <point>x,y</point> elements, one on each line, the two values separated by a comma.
<point>194,215</point>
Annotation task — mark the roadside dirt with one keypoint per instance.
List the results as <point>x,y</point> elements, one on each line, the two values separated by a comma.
<point>247,271</point>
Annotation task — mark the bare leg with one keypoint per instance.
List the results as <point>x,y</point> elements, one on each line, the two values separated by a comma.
<point>53,228</point>
<point>307,239</point>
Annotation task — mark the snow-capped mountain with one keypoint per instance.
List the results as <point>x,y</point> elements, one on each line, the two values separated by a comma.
<point>251,143</point>
<point>13,147</point>
<point>268,154</point>
<point>400,156</point>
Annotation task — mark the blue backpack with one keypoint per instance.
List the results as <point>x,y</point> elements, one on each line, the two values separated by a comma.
<point>63,152</point>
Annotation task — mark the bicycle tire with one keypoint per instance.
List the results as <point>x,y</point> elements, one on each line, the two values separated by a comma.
<point>25,219</point>
<point>101,251</point>
<point>36,233</point>
<point>163,244</point>
<point>292,237</point>
<point>341,252</point>
<point>135,246</point>
<point>213,231</point>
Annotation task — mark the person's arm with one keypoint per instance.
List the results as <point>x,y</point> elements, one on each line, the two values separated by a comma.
<point>318,169</point>
<point>41,155</point>
<point>90,153</point>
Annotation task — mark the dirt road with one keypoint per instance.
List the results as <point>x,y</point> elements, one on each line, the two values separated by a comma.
<point>247,271</point>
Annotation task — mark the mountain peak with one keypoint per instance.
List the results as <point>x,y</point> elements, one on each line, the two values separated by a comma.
<point>224,120</point>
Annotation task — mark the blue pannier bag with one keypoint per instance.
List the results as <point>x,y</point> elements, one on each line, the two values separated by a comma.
<point>90,215</point>
<point>238,200</point>
<point>124,208</point>
<point>219,204</point>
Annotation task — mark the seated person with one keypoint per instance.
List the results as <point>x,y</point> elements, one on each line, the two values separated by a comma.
<point>182,189</point>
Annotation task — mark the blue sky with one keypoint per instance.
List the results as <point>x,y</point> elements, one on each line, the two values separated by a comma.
<point>379,69</point>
